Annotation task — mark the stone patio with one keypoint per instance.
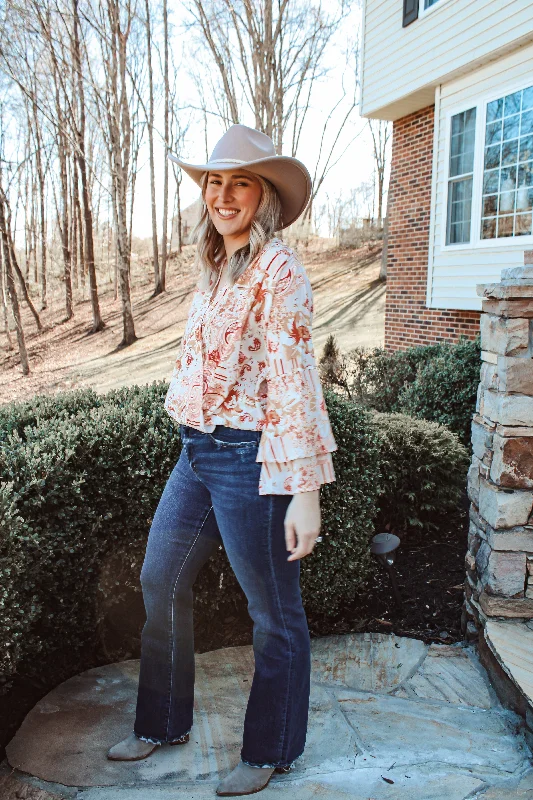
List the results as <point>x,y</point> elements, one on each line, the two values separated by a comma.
<point>390,717</point>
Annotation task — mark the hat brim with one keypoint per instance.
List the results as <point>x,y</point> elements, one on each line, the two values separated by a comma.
<point>289,176</point>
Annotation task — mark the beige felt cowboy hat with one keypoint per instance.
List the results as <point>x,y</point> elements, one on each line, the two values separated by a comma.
<point>254,151</point>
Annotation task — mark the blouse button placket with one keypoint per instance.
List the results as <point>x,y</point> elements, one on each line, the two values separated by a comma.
<point>202,319</point>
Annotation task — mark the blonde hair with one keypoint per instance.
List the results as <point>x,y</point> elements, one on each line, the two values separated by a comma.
<point>210,244</point>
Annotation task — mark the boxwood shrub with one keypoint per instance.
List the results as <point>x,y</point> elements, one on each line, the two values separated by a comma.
<point>437,382</point>
<point>423,469</point>
<point>79,490</point>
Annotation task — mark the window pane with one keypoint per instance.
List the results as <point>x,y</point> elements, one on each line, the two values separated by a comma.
<point>525,175</point>
<point>505,226</point>
<point>428,3</point>
<point>495,110</point>
<point>488,228</point>
<point>490,204</point>
<point>459,211</point>
<point>510,152</point>
<point>527,98</point>
<point>524,199</point>
<point>493,156</point>
<point>523,225</point>
<point>491,181</point>
<point>462,142</point>
<point>527,122</point>
<point>494,132</point>
<point>508,167</point>
<point>526,148</point>
<point>511,127</point>
<point>506,204</point>
<point>512,103</point>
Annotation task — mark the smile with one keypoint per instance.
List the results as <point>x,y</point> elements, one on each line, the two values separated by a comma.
<point>227,213</point>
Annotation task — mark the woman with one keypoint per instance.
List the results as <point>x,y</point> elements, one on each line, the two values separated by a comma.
<point>257,445</point>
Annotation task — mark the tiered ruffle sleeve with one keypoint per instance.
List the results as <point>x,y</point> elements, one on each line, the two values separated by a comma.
<point>297,440</point>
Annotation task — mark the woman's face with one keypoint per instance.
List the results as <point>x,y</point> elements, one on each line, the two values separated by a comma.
<point>232,198</point>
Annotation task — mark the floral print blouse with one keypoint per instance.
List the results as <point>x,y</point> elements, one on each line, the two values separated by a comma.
<point>247,361</point>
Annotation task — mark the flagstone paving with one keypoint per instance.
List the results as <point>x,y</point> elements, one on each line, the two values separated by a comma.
<point>390,717</point>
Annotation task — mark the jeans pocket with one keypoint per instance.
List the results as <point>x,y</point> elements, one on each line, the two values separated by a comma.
<point>223,436</point>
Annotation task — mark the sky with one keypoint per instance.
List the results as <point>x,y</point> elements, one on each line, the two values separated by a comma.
<point>355,166</point>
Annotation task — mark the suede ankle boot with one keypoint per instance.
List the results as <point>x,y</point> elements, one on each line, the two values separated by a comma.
<point>244,780</point>
<point>134,749</point>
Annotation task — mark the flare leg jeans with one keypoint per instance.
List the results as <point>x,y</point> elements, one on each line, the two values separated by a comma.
<point>212,498</point>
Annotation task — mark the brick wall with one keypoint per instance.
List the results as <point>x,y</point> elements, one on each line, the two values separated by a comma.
<point>408,321</point>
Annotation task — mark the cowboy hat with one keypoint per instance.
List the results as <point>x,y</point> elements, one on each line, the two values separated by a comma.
<point>249,149</point>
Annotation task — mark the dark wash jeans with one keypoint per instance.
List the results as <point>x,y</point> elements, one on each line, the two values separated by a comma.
<point>212,498</point>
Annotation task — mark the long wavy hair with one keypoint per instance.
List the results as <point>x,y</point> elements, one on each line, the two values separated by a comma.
<point>210,244</point>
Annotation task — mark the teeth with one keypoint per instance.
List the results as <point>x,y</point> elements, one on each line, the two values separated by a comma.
<point>226,212</point>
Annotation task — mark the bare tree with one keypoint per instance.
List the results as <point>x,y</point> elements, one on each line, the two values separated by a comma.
<point>166,112</point>
<point>178,131</point>
<point>4,302</point>
<point>81,162</point>
<point>115,21</point>
<point>268,56</point>
<point>381,131</point>
<point>12,292</point>
<point>150,124</point>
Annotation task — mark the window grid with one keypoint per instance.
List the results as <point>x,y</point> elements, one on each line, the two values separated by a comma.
<point>507,200</point>
<point>461,176</point>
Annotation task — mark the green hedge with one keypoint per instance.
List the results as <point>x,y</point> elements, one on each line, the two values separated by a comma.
<point>423,472</point>
<point>437,382</point>
<point>79,490</point>
<point>81,478</point>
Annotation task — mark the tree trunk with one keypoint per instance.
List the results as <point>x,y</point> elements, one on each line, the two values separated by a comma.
<point>4,303</point>
<point>42,199</point>
<point>157,277</point>
<point>14,262</point>
<point>384,252</point>
<point>12,292</point>
<point>180,224</point>
<point>98,323</point>
<point>165,167</point>
<point>74,224</point>
<point>120,144</point>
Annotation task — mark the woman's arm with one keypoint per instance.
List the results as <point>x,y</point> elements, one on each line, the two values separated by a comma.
<point>297,440</point>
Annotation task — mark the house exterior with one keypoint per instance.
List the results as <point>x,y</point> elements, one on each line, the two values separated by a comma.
<point>455,77</point>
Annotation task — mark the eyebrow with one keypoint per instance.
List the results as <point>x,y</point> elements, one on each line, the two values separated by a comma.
<point>218,175</point>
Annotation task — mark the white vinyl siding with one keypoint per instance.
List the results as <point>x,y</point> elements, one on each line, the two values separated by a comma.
<point>402,66</point>
<point>454,270</point>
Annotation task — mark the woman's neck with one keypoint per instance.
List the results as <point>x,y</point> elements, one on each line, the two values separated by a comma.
<point>233,243</point>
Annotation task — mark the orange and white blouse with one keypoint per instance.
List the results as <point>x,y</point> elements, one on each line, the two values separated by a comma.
<point>246,361</point>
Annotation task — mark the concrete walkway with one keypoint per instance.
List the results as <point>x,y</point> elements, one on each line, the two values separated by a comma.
<point>390,718</point>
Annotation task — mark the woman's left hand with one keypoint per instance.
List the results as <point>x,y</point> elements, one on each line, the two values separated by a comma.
<point>302,524</point>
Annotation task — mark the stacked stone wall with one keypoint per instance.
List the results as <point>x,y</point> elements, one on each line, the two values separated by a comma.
<point>499,561</point>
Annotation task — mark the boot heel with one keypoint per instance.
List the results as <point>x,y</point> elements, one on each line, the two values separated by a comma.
<point>183,740</point>
<point>282,769</point>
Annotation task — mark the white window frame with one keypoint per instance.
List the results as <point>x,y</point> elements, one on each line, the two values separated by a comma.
<point>423,11</point>
<point>476,242</point>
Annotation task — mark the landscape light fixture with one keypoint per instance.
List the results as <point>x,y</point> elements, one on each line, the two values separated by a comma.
<point>384,546</point>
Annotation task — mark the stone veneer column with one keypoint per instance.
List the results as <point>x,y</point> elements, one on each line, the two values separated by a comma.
<point>499,561</point>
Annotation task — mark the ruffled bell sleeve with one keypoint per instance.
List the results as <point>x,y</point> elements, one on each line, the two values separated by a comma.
<point>297,440</point>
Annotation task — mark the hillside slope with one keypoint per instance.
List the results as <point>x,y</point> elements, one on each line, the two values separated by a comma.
<point>348,299</point>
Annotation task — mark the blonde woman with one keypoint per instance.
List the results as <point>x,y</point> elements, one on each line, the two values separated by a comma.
<point>257,445</point>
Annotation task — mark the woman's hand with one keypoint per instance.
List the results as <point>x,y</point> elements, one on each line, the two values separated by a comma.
<point>302,523</point>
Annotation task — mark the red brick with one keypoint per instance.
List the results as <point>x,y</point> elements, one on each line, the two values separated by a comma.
<point>407,257</point>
